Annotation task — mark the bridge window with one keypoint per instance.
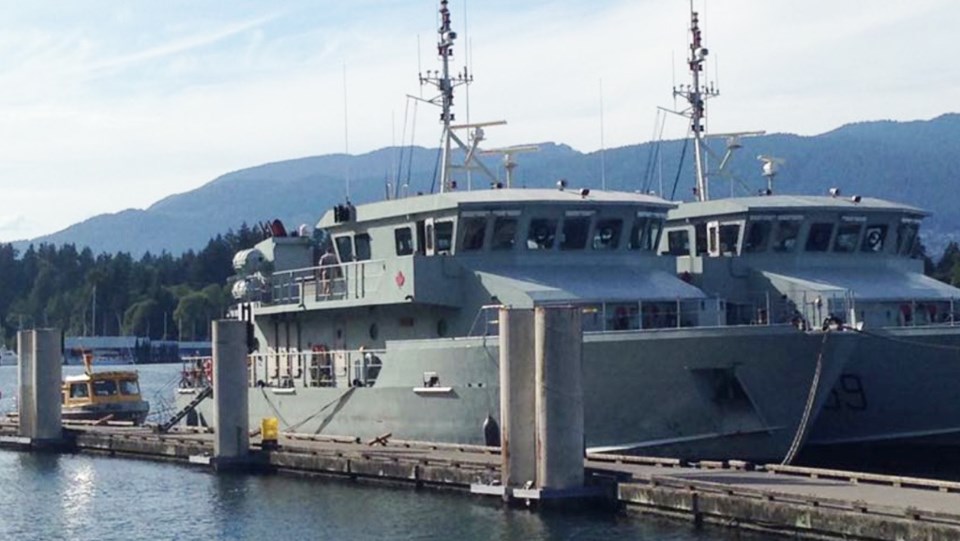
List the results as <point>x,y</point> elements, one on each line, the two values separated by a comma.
<point>504,233</point>
<point>473,232</point>
<point>542,233</point>
<point>874,239</point>
<point>575,231</point>
<point>444,231</point>
<point>848,235</point>
<point>678,242</point>
<point>729,237</point>
<point>758,235</point>
<point>344,247</point>
<point>787,233</point>
<point>645,233</point>
<point>607,234</point>
<point>700,238</point>
<point>404,240</point>
<point>818,240</point>
<point>906,237</point>
<point>361,244</point>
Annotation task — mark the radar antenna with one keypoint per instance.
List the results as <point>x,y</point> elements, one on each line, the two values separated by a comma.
<point>508,163</point>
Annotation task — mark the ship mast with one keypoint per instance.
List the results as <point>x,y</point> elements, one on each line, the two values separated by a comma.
<point>696,95</point>
<point>445,84</point>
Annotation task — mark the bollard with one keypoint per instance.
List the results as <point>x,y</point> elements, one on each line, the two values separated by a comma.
<point>40,373</point>
<point>230,401</point>
<point>558,343</point>
<point>517,446</point>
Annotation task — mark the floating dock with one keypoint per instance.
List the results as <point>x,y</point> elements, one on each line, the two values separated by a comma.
<point>784,500</point>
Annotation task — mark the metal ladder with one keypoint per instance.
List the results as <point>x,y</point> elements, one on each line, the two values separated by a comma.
<point>204,394</point>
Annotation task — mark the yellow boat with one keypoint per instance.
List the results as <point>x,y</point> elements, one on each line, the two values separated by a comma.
<point>103,396</point>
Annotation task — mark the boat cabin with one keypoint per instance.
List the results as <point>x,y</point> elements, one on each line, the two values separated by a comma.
<point>113,395</point>
<point>807,259</point>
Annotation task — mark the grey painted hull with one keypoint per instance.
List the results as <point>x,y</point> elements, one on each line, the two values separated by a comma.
<point>696,393</point>
<point>900,386</point>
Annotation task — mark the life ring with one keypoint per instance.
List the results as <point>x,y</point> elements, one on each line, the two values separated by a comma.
<point>208,369</point>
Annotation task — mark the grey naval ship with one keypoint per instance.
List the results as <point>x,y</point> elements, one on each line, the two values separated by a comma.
<point>393,329</point>
<point>829,260</point>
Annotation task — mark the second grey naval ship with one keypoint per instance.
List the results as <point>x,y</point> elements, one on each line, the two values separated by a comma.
<point>829,260</point>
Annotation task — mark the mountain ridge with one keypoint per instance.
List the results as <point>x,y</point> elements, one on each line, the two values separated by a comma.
<point>877,158</point>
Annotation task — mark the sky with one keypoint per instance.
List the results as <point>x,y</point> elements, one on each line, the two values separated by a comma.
<point>109,105</point>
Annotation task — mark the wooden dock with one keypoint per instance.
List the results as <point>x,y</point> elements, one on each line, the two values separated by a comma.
<point>796,502</point>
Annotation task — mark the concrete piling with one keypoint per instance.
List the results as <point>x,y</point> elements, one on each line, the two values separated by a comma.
<point>231,403</point>
<point>559,398</point>
<point>541,405</point>
<point>40,374</point>
<point>517,405</point>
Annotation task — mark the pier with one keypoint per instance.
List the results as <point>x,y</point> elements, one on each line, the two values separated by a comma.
<point>791,501</point>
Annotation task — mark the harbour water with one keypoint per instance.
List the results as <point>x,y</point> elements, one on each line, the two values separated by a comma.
<point>82,497</point>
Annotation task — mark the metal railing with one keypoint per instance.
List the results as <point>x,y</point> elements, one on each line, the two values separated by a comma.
<point>807,307</point>
<point>342,281</point>
<point>317,368</point>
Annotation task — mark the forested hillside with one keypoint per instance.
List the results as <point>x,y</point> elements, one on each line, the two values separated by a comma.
<point>159,296</point>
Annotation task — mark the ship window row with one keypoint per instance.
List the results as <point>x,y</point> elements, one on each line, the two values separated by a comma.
<point>576,230</point>
<point>789,234</point>
<point>503,233</point>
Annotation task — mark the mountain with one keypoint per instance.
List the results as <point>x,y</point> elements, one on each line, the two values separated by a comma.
<point>912,162</point>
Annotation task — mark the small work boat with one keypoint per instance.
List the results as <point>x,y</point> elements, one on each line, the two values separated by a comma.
<point>103,396</point>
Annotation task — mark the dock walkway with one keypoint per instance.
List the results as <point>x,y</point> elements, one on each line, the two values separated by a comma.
<point>800,502</point>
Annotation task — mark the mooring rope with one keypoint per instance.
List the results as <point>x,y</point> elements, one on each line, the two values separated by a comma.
<point>811,398</point>
<point>307,418</point>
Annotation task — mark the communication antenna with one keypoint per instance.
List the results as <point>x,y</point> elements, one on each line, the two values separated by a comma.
<point>771,166</point>
<point>346,138</point>
<point>603,168</point>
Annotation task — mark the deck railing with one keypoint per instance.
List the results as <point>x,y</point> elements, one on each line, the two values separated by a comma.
<point>340,281</point>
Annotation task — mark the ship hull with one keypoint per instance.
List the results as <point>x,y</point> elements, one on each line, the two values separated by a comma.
<point>691,393</point>
<point>899,387</point>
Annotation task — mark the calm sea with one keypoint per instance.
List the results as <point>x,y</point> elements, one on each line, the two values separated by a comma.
<point>46,497</point>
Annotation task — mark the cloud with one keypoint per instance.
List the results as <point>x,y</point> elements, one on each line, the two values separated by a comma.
<point>178,45</point>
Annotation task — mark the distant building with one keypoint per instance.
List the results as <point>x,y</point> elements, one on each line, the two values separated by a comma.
<point>113,350</point>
